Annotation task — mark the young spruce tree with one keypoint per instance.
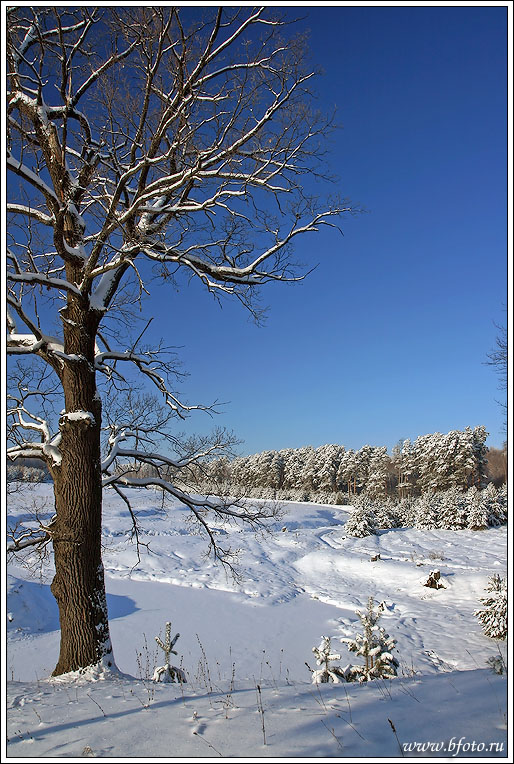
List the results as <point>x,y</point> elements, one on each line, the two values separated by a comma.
<point>375,646</point>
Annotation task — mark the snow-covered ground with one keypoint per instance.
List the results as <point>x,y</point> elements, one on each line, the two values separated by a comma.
<point>244,644</point>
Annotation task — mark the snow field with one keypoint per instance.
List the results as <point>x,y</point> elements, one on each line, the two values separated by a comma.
<point>295,585</point>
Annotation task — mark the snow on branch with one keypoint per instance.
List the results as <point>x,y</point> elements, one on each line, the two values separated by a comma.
<point>147,363</point>
<point>31,212</point>
<point>27,539</point>
<point>47,281</point>
<point>17,166</point>
<point>47,449</point>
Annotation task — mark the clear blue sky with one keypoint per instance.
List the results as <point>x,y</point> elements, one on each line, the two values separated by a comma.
<point>387,338</point>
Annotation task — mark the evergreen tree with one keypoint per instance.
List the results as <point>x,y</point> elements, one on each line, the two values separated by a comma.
<point>404,463</point>
<point>426,452</point>
<point>277,464</point>
<point>327,463</point>
<point>378,474</point>
<point>427,511</point>
<point>386,513</point>
<point>361,522</point>
<point>406,512</point>
<point>478,513</point>
<point>492,506</point>
<point>346,472</point>
<point>453,509</point>
<point>479,449</point>
<point>324,657</point>
<point>493,616</point>
<point>375,646</point>
<point>363,460</point>
<point>502,499</point>
<point>168,673</point>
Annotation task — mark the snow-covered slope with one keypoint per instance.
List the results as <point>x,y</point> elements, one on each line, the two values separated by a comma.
<point>304,580</point>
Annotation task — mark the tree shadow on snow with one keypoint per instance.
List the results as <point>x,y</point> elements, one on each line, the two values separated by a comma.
<point>33,609</point>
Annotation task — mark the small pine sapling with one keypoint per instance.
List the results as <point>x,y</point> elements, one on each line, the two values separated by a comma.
<point>168,673</point>
<point>325,656</point>
<point>493,616</point>
<point>375,646</point>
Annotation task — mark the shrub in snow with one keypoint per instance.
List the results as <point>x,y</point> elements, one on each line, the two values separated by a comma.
<point>497,664</point>
<point>168,673</point>
<point>375,646</point>
<point>324,657</point>
<point>392,513</point>
<point>493,616</point>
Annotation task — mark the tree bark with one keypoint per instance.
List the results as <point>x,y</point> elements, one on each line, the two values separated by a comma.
<point>78,585</point>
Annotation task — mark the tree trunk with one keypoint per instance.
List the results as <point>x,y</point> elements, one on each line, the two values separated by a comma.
<point>78,585</point>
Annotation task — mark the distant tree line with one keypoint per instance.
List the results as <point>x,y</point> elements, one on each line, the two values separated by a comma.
<point>333,474</point>
<point>28,471</point>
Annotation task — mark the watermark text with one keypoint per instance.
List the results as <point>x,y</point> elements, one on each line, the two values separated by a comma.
<point>455,747</point>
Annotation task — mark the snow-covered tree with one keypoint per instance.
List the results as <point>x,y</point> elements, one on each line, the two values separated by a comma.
<point>453,509</point>
<point>387,513</point>
<point>502,499</point>
<point>374,645</point>
<point>427,510</point>
<point>406,511</point>
<point>442,461</point>
<point>403,462</point>
<point>425,454</point>
<point>477,510</point>
<point>378,474</point>
<point>361,522</point>
<point>346,472</point>
<point>324,657</point>
<point>490,503</point>
<point>145,145</point>
<point>326,465</point>
<point>479,449</point>
<point>493,614</point>
<point>363,459</point>
<point>167,672</point>
<point>276,470</point>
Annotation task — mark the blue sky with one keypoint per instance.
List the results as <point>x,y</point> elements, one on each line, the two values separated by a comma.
<point>387,338</point>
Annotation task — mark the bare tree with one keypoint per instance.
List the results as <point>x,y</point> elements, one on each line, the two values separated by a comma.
<point>142,143</point>
<point>499,358</point>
